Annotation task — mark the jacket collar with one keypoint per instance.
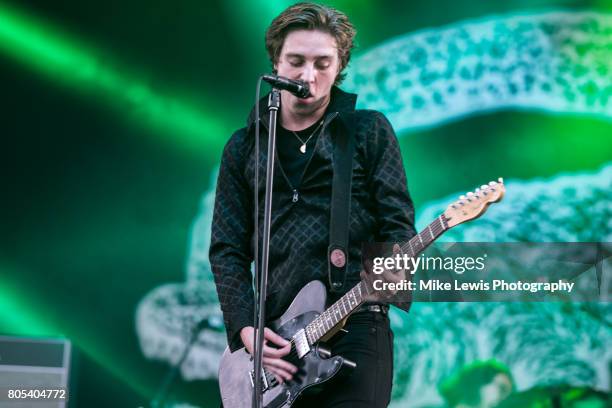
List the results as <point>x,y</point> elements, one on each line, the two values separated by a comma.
<point>340,102</point>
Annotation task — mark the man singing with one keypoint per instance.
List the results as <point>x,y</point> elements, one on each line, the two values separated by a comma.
<point>312,43</point>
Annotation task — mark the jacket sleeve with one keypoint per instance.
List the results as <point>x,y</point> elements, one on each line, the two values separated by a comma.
<point>230,251</point>
<point>387,181</point>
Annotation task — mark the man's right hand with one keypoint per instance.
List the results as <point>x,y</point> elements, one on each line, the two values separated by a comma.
<point>272,357</point>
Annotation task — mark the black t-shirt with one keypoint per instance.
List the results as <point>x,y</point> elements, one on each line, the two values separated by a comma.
<point>292,160</point>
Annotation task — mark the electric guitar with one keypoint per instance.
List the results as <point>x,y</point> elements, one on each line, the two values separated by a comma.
<point>307,324</point>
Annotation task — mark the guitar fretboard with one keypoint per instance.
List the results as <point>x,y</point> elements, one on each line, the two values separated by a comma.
<point>351,300</point>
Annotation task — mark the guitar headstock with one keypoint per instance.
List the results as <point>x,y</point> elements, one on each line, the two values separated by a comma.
<point>474,204</point>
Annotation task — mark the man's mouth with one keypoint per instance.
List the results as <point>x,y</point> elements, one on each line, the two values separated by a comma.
<point>310,98</point>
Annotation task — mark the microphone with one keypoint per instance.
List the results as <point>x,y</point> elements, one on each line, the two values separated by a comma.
<point>296,87</point>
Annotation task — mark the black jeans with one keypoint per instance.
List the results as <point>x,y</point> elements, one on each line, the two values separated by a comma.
<point>369,343</point>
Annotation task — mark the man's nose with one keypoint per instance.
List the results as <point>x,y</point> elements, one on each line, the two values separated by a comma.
<point>308,74</point>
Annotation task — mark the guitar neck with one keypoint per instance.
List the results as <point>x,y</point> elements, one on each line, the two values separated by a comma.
<point>425,238</point>
<point>351,300</point>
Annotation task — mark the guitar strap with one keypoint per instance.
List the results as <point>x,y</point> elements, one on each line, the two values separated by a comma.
<point>337,251</point>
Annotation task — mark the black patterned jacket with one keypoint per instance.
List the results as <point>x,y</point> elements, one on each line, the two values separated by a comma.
<point>381,211</point>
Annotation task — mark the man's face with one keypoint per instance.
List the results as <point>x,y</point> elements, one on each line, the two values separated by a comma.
<point>311,56</point>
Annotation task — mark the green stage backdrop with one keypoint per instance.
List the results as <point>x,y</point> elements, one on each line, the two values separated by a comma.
<point>114,116</point>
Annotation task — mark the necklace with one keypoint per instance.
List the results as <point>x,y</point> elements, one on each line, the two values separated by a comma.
<point>303,142</point>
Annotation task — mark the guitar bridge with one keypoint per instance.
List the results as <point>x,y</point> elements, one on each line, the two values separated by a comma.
<point>267,379</point>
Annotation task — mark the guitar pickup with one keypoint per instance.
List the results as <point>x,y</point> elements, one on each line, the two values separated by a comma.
<point>301,343</point>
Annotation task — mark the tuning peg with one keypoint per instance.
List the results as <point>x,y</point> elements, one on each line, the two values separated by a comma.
<point>477,190</point>
<point>462,197</point>
<point>484,187</point>
<point>492,183</point>
<point>470,194</point>
<point>501,180</point>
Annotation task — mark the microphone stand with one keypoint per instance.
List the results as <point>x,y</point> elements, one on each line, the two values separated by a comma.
<point>164,387</point>
<point>273,106</point>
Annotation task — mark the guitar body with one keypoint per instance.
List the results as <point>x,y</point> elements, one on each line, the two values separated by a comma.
<point>315,365</point>
<point>314,369</point>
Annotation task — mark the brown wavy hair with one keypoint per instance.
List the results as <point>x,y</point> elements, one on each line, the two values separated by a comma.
<point>311,16</point>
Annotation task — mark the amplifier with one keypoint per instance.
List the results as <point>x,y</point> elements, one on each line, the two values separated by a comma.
<point>34,372</point>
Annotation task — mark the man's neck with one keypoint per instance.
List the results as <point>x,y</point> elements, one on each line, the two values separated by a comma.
<point>295,121</point>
